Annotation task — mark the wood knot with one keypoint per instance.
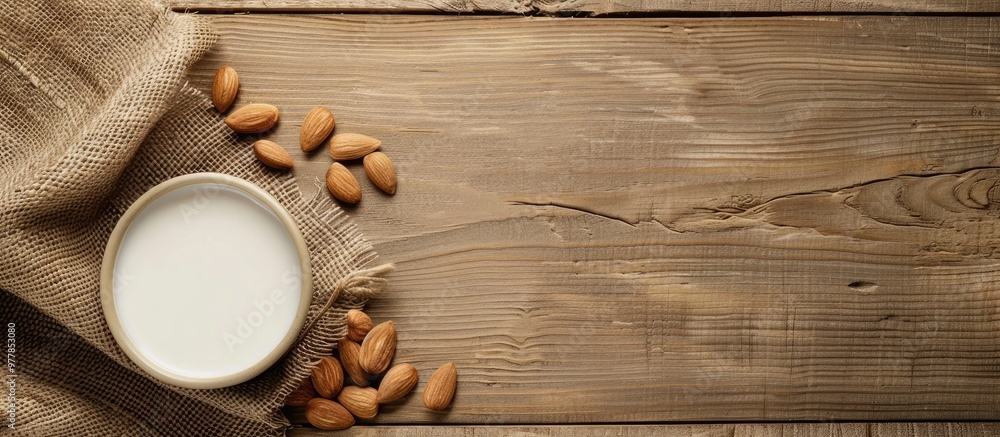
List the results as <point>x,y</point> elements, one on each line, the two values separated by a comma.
<point>979,192</point>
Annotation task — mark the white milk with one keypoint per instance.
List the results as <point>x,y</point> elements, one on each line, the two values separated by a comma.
<point>207,281</point>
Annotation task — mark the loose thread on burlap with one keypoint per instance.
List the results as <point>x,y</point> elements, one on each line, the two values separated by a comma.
<point>368,281</point>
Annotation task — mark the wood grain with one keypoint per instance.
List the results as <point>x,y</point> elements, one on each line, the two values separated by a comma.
<point>728,7</point>
<point>370,6</point>
<point>719,430</point>
<point>593,7</point>
<point>622,220</point>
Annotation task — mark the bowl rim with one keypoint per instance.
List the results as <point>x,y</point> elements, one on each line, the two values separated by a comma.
<point>111,257</point>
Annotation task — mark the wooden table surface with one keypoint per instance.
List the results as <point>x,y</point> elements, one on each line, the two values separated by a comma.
<point>682,217</point>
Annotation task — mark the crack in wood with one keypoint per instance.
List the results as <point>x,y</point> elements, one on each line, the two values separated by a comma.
<point>880,180</point>
<point>590,211</point>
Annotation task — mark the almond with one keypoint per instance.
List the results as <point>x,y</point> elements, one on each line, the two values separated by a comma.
<point>302,395</point>
<point>360,401</point>
<point>272,155</point>
<point>378,348</point>
<point>342,184</point>
<point>358,325</point>
<point>349,355</point>
<point>328,415</point>
<point>224,88</point>
<point>254,118</point>
<point>441,388</point>
<point>317,125</point>
<point>345,147</point>
<point>398,381</point>
<point>328,377</point>
<point>381,172</point>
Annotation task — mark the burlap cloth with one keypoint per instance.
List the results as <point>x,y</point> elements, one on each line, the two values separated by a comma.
<point>95,109</point>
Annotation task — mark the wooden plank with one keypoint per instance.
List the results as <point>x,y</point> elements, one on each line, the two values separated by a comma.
<point>721,430</point>
<point>594,7</point>
<point>947,429</point>
<point>370,6</point>
<point>706,430</point>
<point>728,7</point>
<point>624,220</point>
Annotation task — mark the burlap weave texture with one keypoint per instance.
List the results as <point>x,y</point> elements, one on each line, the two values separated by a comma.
<point>95,109</point>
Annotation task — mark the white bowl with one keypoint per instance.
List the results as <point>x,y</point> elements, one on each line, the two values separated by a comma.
<point>206,281</point>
